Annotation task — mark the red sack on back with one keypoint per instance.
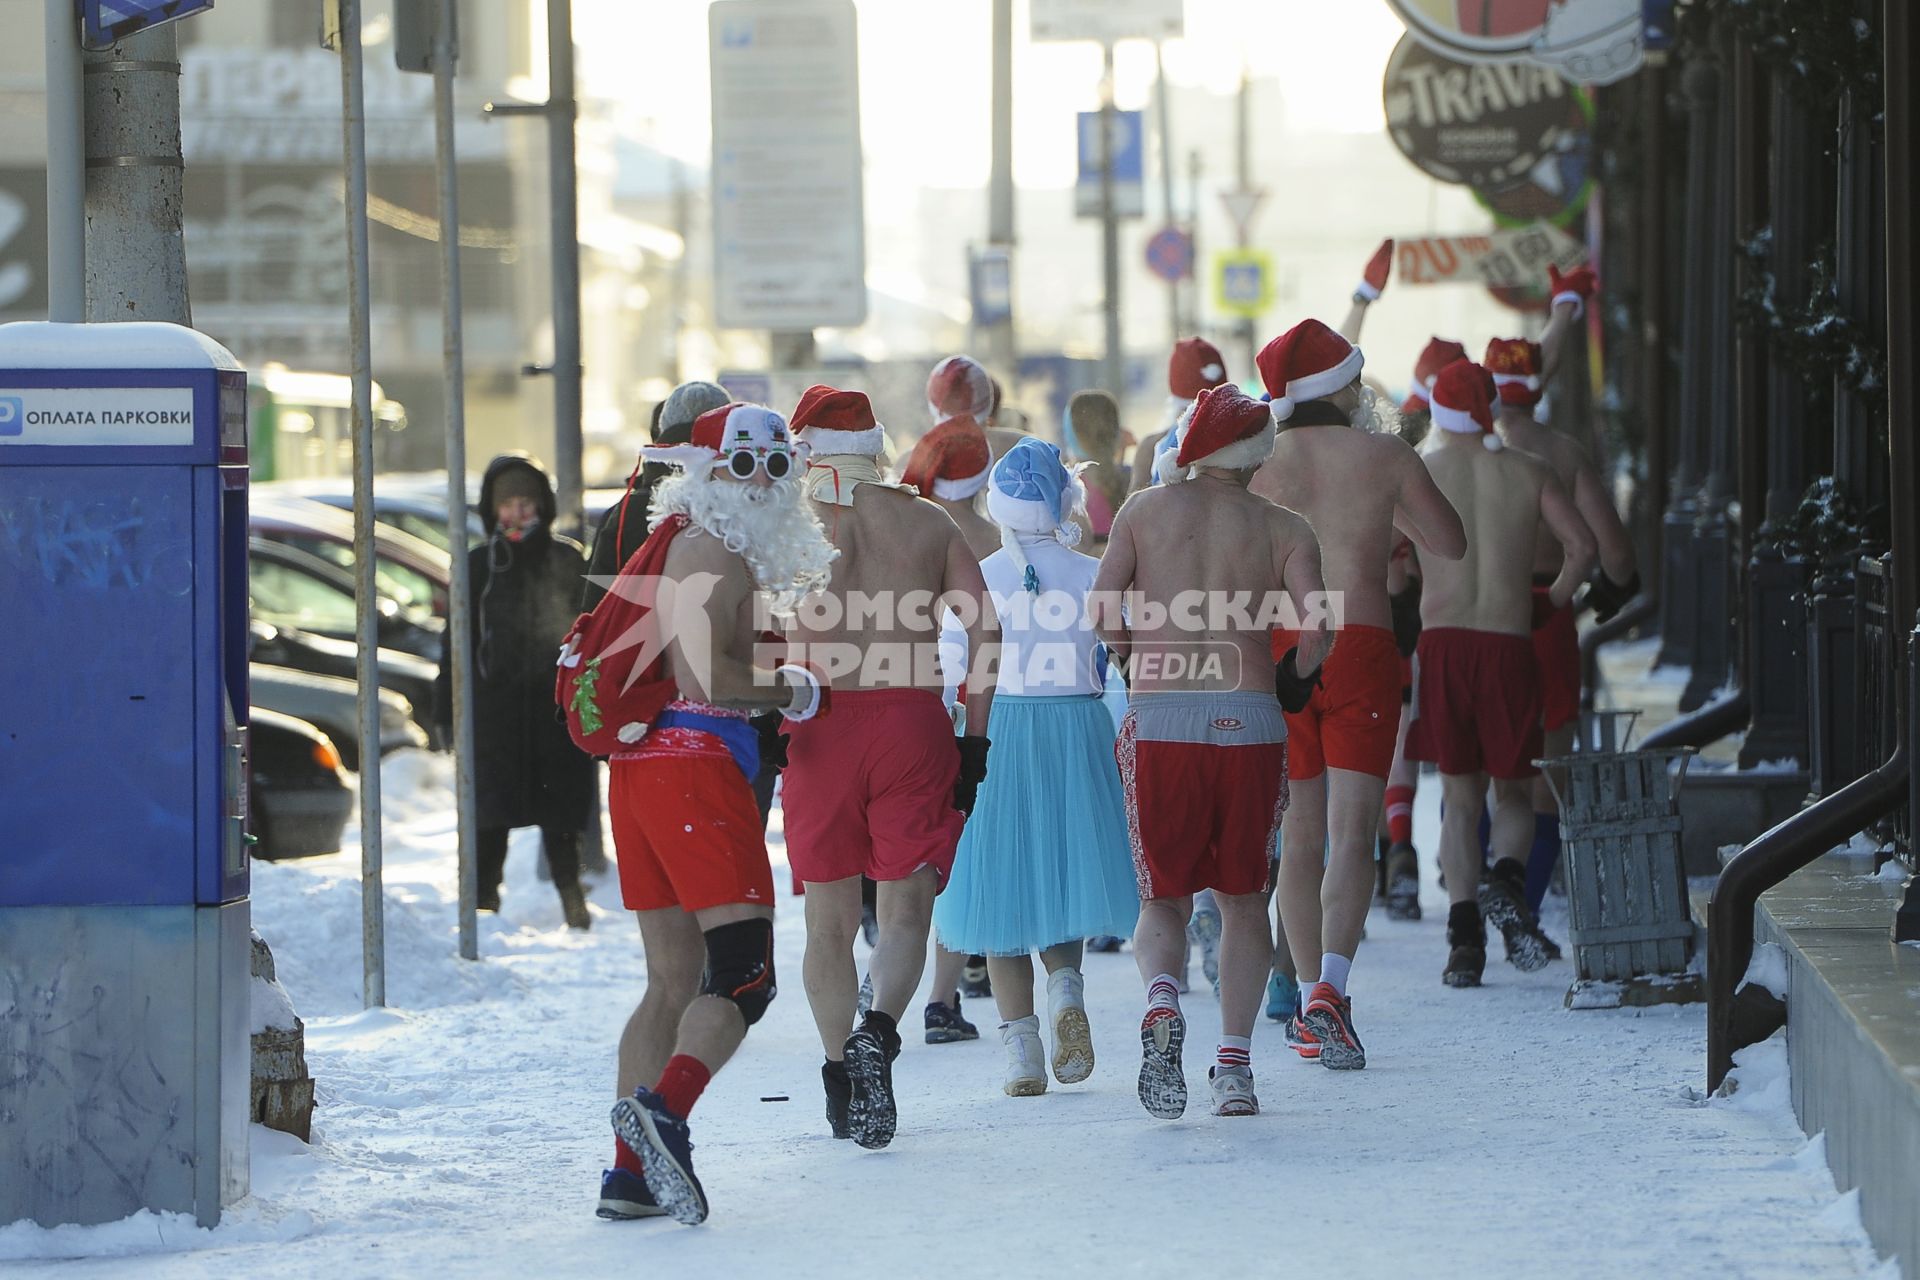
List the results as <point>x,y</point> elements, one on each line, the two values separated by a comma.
<point>609,706</point>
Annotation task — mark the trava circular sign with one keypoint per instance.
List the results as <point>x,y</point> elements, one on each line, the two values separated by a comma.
<point>1591,41</point>
<point>1477,124</point>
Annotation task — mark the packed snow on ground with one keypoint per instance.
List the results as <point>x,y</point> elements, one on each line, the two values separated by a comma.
<point>461,1131</point>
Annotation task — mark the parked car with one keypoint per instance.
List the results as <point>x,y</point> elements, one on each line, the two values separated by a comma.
<point>330,705</point>
<point>294,589</point>
<point>405,504</point>
<point>413,573</point>
<point>297,793</point>
<point>411,677</point>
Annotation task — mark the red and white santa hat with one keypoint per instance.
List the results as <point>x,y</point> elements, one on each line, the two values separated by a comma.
<point>1516,366</point>
<point>1196,365</point>
<point>723,432</point>
<point>951,462</point>
<point>959,388</point>
<point>1225,428</point>
<point>832,421</point>
<point>1307,362</point>
<point>1438,354</point>
<point>1463,402</point>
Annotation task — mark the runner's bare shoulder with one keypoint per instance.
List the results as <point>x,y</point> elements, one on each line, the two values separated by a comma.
<point>697,551</point>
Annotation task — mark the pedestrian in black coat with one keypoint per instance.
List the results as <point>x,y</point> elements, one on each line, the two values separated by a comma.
<point>525,595</point>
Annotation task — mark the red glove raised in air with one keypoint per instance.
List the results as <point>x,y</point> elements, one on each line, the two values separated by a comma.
<point>1373,282</point>
<point>1575,287</point>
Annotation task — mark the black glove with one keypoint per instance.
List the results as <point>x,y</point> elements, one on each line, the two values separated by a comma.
<point>1608,599</point>
<point>1406,618</point>
<point>772,742</point>
<point>1293,689</point>
<point>973,772</point>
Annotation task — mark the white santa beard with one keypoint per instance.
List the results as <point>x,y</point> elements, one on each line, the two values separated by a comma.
<point>777,534</point>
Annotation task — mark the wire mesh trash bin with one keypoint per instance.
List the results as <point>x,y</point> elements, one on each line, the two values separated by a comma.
<point>1628,916</point>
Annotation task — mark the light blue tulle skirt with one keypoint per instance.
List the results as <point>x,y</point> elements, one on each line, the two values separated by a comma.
<point>1045,857</point>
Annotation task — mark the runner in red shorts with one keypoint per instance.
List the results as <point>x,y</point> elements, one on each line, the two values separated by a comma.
<point>1476,692</point>
<point>1339,464</point>
<point>1202,750</point>
<point>693,860</point>
<point>878,785</point>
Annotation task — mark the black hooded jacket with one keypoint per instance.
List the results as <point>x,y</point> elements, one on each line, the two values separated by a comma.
<point>526,594</point>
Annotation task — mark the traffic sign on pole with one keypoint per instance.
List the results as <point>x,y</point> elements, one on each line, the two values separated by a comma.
<point>1108,20</point>
<point>1170,254</point>
<point>1129,165</point>
<point>105,21</point>
<point>1242,204</point>
<point>1243,282</point>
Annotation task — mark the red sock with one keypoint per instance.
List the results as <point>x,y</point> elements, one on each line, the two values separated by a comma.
<point>682,1083</point>
<point>624,1158</point>
<point>1400,815</point>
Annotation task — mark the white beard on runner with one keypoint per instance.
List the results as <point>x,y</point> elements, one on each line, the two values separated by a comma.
<point>771,528</point>
<point>1375,414</point>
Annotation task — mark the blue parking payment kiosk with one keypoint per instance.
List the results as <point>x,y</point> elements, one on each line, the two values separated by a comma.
<point>124,923</point>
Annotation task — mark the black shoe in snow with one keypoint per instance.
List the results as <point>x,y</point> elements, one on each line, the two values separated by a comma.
<point>946,1024</point>
<point>1163,1086</point>
<point>833,1075</point>
<point>871,1116</point>
<point>1467,943</point>
<point>1504,905</point>
<point>660,1139</point>
<point>974,984</point>
<point>624,1196</point>
<point>1403,883</point>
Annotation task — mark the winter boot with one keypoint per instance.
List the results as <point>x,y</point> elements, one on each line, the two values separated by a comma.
<point>1026,1068</point>
<point>1072,1037</point>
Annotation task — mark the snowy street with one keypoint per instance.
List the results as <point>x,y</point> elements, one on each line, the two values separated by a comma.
<point>462,1131</point>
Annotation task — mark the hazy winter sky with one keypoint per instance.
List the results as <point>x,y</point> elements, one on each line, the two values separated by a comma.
<point>924,63</point>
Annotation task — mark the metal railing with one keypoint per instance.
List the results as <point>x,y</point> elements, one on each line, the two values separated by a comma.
<point>1875,720</point>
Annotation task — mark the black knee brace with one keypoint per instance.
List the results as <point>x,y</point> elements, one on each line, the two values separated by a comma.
<point>740,966</point>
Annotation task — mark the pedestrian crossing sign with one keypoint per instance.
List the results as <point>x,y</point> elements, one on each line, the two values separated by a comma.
<point>1243,282</point>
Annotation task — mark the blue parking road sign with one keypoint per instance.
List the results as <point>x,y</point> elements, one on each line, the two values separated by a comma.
<point>1129,165</point>
<point>105,21</point>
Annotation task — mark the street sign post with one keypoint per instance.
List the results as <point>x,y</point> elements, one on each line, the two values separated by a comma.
<point>105,21</point>
<point>1129,165</point>
<point>1243,282</point>
<point>788,211</point>
<point>990,280</point>
<point>1108,20</point>
<point>1243,203</point>
<point>1170,254</point>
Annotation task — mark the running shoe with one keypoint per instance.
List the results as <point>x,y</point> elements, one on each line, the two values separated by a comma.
<point>1163,1089</point>
<point>1026,1061</point>
<point>1072,1036</point>
<point>1203,931</point>
<point>1504,905</point>
<point>1329,1017</point>
<point>1233,1091</point>
<point>1300,1038</point>
<point>1283,996</point>
<point>624,1196</point>
<point>974,983</point>
<point>1403,883</point>
<point>870,1109</point>
<point>833,1077</point>
<point>946,1024</point>
<point>1467,943</point>
<point>660,1139</point>
<point>1104,943</point>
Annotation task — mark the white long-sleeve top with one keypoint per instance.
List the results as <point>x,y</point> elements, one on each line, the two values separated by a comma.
<point>1048,647</point>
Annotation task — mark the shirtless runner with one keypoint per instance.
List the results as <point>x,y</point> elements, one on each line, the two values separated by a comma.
<point>877,785</point>
<point>1477,692</point>
<point>1355,483</point>
<point>1521,370</point>
<point>693,859</point>
<point>1195,365</point>
<point>1202,750</point>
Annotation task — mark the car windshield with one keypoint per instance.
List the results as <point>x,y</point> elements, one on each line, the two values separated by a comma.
<point>422,527</point>
<point>408,588</point>
<point>285,597</point>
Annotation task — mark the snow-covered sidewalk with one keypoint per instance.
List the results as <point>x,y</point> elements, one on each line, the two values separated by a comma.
<point>462,1131</point>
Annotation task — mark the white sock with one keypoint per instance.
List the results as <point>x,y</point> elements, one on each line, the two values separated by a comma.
<point>1335,969</point>
<point>1163,992</point>
<point>1235,1051</point>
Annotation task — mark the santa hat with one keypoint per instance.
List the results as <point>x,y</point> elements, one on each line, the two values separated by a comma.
<point>1306,362</point>
<point>721,432</point>
<point>1463,402</point>
<point>832,421</point>
<point>1196,365</point>
<point>951,461</point>
<point>1438,354</point>
<point>959,388</point>
<point>1227,428</point>
<point>1515,365</point>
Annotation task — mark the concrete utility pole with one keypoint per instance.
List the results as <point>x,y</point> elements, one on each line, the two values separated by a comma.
<point>1113,370</point>
<point>136,262</point>
<point>562,111</point>
<point>1000,353</point>
<point>1243,174</point>
<point>1165,114</point>
<point>66,168</point>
